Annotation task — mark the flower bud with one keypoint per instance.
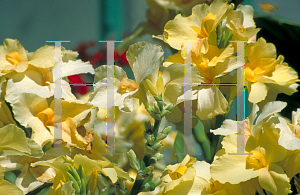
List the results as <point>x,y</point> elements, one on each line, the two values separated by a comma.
<point>155,116</point>
<point>149,151</point>
<point>158,145</point>
<point>150,139</point>
<point>157,181</point>
<point>167,130</point>
<point>161,136</point>
<point>165,112</point>
<point>149,109</point>
<point>169,107</point>
<point>156,108</point>
<point>149,170</point>
<point>152,160</point>
<point>158,156</point>
<point>160,84</point>
<point>158,97</point>
<point>134,162</point>
<point>150,87</point>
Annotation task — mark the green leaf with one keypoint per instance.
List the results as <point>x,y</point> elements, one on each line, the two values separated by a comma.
<point>10,176</point>
<point>201,138</point>
<point>44,191</point>
<point>179,146</point>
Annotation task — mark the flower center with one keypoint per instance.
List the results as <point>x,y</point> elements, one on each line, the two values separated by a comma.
<point>46,116</point>
<point>126,85</point>
<point>215,185</point>
<point>256,161</point>
<point>178,173</point>
<point>14,58</point>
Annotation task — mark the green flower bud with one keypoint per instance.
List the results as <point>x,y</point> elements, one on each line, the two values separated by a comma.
<point>169,107</point>
<point>158,145</point>
<point>149,109</point>
<point>150,139</point>
<point>149,170</point>
<point>156,108</point>
<point>158,97</point>
<point>165,112</point>
<point>158,156</point>
<point>157,181</point>
<point>167,130</point>
<point>149,151</point>
<point>134,162</point>
<point>152,160</point>
<point>155,115</point>
<point>161,136</point>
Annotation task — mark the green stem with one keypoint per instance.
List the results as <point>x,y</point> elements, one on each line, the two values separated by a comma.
<point>136,188</point>
<point>203,141</point>
<point>156,127</point>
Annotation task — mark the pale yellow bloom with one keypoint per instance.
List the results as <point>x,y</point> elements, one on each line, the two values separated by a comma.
<point>179,178</point>
<point>38,113</point>
<point>13,56</point>
<point>267,76</point>
<point>199,27</point>
<point>241,23</point>
<point>144,59</point>
<point>263,164</point>
<point>211,66</point>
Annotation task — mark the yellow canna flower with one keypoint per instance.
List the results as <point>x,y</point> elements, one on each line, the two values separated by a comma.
<point>241,23</point>
<point>179,177</point>
<point>144,59</point>
<point>38,113</point>
<point>211,66</point>
<point>13,57</point>
<point>265,75</point>
<point>199,27</point>
<point>263,164</point>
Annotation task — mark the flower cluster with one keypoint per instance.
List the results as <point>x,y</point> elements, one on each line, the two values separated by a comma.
<point>123,148</point>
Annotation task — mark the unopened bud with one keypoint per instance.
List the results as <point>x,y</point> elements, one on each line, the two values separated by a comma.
<point>158,156</point>
<point>149,170</point>
<point>134,162</point>
<point>158,97</point>
<point>160,84</point>
<point>157,181</point>
<point>158,145</point>
<point>156,108</point>
<point>167,130</point>
<point>149,151</point>
<point>152,160</point>
<point>149,109</point>
<point>150,87</point>
<point>169,107</point>
<point>161,136</point>
<point>155,115</point>
<point>165,112</point>
<point>150,139</point>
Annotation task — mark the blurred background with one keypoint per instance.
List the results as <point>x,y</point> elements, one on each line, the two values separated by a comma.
<point>83,23</point>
